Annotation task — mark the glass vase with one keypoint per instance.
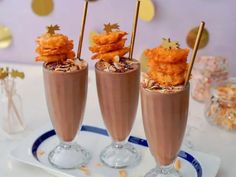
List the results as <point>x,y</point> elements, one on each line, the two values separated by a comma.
<point>11,114</point>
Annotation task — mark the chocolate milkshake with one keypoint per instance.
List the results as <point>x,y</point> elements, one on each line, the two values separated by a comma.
<point>65,83</point>
<point>165,103</point>
<point>117,80</point>
<point>66,94</point>
<point>164,118</point>
<point>118,97</point>
<point>118,94</point>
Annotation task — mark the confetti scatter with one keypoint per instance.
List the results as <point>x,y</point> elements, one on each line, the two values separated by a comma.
<point>41,153</point>
<point>192,35</point>
<point>42,7</point>
<point>147,10</point>
<point>85,170</point>
<point>122,173</point>
<point>99,165</point>
<point>5,37</point>
<point>177,164</point>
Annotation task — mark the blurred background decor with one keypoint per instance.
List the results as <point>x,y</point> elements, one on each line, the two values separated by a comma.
<point>147,10</point>
<point>42,7</point>
<point>208,70</point>
<point>192,35</point>
<point>5,37</point>
<point>221,106</point>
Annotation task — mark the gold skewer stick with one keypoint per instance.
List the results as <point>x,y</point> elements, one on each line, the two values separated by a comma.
<point>81,37</point>
<point>134,30</point>
<point>195,50</point>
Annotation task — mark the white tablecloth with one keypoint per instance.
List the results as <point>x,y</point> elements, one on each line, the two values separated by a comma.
<point>203,136</point>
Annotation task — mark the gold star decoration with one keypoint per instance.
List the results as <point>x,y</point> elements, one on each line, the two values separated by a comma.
<point>14,74</point>
<point>4,73</point>
<point>109,27</point>
<point>168,44</point>
<point>52,28</point>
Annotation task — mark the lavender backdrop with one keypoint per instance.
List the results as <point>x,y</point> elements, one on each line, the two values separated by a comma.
<point>173,19</point>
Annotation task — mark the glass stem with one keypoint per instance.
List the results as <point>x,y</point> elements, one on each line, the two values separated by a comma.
<point>65,145</point>
<point>165,170</point>
<point>118,144</point>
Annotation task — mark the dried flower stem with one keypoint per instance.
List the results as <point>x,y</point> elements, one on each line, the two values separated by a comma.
<point>11,105</point>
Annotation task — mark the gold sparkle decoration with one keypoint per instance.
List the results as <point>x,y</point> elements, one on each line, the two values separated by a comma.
<point>144,63</point>
<point>108,28</point>
<point>52,28</point>
<point>191,37</point>
<point>168,44</point>
<point>42,7</point>
<point>3,73</point>
<point>147,10</point>
<point>15,73</point>
<point>6,72</point>
<point>5,37</point>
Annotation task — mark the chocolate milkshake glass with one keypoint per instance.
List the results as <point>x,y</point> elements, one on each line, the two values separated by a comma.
<point>164,118</point>
<point>66,94</point>
<point>118,95</point>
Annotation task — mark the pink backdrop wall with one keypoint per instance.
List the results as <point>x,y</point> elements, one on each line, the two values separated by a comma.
<point>173,19</point>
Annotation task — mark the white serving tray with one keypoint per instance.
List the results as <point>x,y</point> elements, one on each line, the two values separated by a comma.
<point>34,151</point>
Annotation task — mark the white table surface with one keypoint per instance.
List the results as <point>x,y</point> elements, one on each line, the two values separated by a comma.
<point>204,137</point>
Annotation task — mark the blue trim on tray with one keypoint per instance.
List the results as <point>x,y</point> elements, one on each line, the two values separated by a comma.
<point>132,139</point>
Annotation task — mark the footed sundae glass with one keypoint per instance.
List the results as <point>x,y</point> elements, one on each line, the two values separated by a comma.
<point>164,118</point>
<point>118,95</point>
<point>66,94</point>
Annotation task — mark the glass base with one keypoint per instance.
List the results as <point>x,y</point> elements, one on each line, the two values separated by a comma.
<point>69,156</point>
<point>167,171</point>
<point>120,155</point>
